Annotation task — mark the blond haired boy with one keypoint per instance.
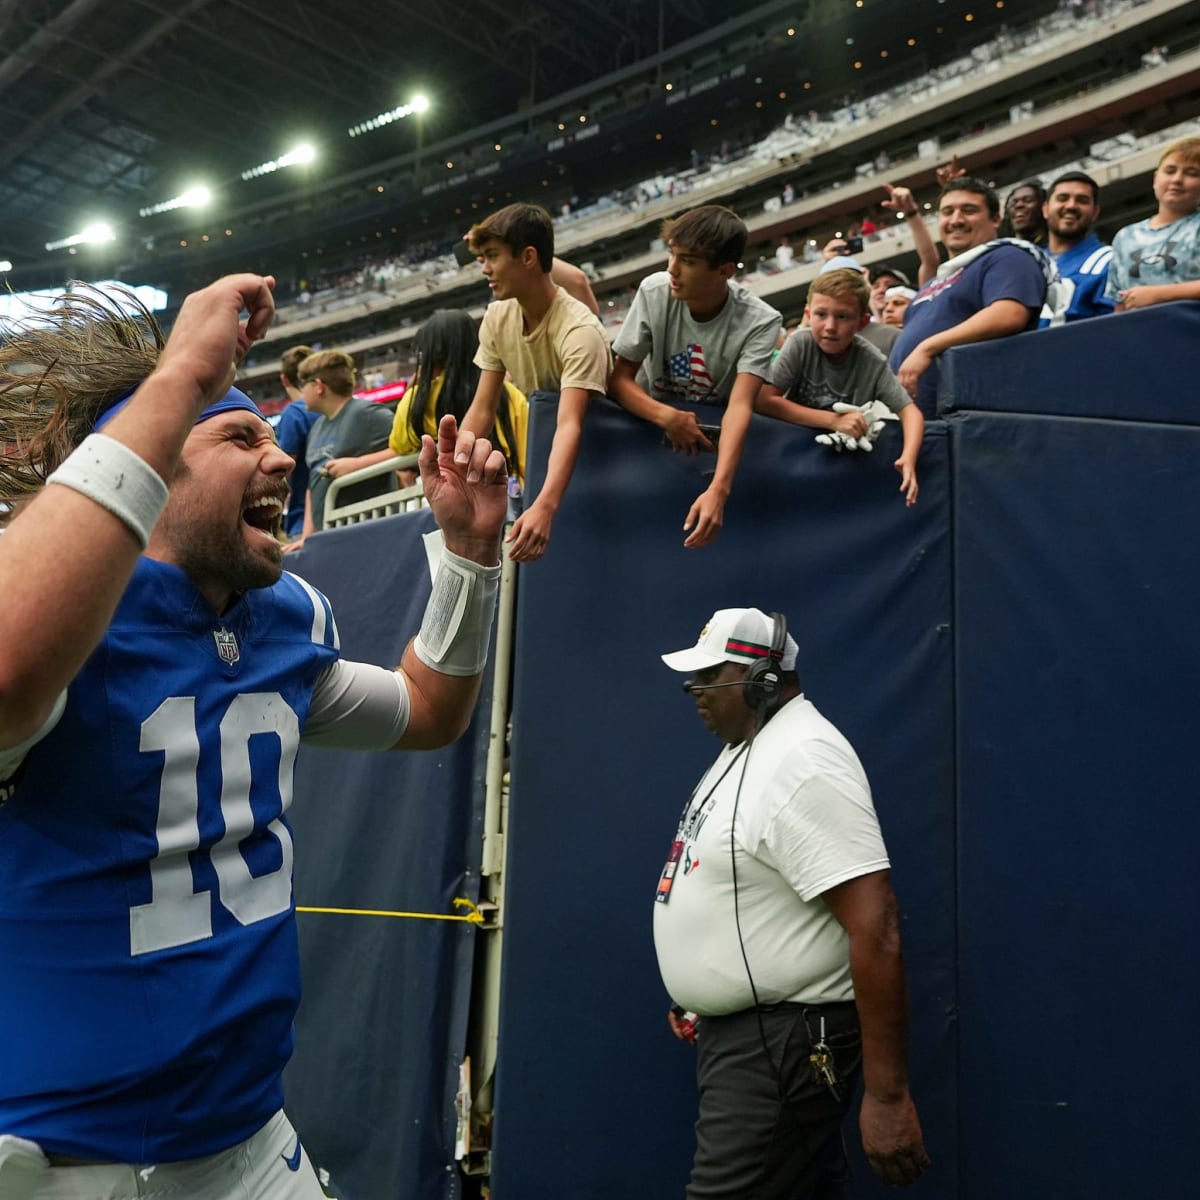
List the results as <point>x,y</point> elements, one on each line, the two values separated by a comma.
<point>1158,260</point>
<point>829,363</point>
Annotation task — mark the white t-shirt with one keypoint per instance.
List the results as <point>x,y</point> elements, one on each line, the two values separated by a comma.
<point>696,361</point>
<point>805,823</point>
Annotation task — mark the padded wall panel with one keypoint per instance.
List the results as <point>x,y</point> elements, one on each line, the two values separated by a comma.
<point>1132,366</point>
<point>382,1024</point>
<point>1078,672</point>
<point>595,1099</point>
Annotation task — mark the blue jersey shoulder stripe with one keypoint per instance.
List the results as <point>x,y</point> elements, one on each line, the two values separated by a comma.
<point>1097,262</point>
<point>324,627</point>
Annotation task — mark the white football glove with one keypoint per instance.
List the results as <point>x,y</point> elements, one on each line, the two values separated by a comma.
<point>875,412</point>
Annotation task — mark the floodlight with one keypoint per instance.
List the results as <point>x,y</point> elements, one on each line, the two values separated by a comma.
<point>418,104</point>
<point>93,235</point>
<point>5,266</point>
<point>303,153</point>
<point>196,196</point>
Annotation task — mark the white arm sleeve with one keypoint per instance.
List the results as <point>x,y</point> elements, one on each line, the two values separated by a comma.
<point>357,706</point>
<point>14,756</point>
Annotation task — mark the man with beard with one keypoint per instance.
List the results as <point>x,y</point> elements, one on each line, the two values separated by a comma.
<point>1071,209</point>
<point>989,288</point>
<point>158,674</point>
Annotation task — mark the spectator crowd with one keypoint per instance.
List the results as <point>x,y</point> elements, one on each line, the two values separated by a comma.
<point>866,351</point>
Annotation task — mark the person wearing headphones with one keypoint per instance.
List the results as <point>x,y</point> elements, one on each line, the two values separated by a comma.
<point>776,923</point>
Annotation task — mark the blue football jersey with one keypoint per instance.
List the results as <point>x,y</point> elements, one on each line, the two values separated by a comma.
<point>1085,265</point>
<point>147,933</point>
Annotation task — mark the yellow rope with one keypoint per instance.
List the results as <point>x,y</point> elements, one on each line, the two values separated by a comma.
<point>474,917</point>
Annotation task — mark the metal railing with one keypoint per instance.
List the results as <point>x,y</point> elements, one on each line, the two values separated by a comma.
<point>385,505</point>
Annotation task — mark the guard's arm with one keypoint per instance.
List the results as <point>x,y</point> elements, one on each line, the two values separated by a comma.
<point>891,1131</point>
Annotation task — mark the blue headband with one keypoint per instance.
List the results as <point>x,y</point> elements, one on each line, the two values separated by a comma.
<point>230,402</point>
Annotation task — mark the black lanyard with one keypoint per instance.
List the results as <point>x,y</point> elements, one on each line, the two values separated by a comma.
<point>685,825</point>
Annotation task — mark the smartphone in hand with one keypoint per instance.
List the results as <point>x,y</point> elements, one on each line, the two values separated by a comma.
<point>712,432</point>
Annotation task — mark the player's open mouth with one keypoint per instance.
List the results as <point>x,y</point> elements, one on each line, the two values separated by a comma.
<point>264,514</point>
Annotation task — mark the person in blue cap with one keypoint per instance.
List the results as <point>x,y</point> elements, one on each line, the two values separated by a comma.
<point>158,673</point>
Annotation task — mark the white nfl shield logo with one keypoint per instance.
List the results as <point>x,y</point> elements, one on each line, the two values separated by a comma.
<point>227,647</point>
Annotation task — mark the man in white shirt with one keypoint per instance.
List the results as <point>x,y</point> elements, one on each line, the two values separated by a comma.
<point>777,934</point>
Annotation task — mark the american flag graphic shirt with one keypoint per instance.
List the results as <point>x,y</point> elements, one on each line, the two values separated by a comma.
<point>685,374</point>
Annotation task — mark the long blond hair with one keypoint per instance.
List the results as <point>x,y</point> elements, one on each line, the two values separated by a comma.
<point>59,370</point>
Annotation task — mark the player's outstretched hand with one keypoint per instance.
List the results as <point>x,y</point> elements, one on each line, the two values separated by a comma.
<point>211,336</point>
<point>466,485</point>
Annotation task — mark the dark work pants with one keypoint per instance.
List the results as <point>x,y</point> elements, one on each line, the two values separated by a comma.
<point>768,1129</point>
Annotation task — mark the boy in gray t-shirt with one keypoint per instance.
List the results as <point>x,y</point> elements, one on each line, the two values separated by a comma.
<point>346,428</point>
<point>694,336</point>
<point>360,427</point>
<point>829,363</point>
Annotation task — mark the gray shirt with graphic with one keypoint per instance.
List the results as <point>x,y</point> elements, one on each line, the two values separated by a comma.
<point>802,373</point>
<point>684,360</point>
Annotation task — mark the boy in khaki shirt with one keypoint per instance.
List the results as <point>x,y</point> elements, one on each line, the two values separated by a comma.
<point>545,341</point>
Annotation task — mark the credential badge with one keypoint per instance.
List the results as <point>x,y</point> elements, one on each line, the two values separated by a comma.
<point>227,647</point>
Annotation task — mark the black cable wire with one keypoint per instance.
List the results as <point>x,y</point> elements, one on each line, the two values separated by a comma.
<point>759,722</point>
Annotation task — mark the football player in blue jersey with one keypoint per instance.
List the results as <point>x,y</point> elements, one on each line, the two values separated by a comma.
<point>158,671</point>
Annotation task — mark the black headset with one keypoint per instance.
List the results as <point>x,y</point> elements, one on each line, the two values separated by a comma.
<point>764,676</point>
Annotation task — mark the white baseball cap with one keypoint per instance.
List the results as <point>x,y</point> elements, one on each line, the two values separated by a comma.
<point>739,635</point>
<point>843,262</point>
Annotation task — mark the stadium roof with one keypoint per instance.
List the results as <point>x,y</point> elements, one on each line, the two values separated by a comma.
<point>108,107</point>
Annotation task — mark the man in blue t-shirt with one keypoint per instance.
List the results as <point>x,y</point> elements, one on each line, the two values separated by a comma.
<point>989,288</point>
<point>159,673</point>
<point>292,430</point>
<point>1071,209</point>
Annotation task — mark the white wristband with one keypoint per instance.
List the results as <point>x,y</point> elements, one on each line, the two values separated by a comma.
<point>108,472</point>
<point>457,628</point>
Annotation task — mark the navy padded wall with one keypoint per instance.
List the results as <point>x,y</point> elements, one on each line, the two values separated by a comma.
<point>594,1097</point>
<point>1133,366</point>
<point>1078,672</point>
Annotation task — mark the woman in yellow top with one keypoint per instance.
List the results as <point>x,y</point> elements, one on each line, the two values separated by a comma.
<point>444,382</point>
